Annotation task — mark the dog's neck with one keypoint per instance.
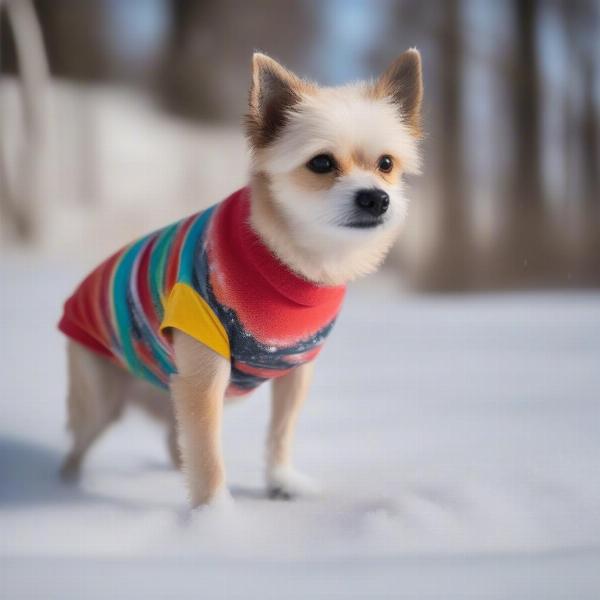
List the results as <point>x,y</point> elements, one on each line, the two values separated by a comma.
<point>335,266</point>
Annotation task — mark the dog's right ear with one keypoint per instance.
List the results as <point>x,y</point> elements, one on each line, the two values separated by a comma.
<point>273,92</point>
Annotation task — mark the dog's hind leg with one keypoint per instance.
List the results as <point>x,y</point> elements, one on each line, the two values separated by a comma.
<point>96,395</point>
<point>173,446</point>
<point>157,403</point>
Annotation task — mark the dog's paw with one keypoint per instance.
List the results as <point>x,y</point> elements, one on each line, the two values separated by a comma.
<point>285,483</point>
<point>220,500</point>
<point>216,511</point>
<point>70,471</point>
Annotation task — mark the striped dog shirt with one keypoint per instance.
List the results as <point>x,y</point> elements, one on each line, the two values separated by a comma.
<point>210,276</point>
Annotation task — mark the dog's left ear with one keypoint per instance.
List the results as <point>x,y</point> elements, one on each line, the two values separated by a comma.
<point>273,92</point>
<point>403,83</point>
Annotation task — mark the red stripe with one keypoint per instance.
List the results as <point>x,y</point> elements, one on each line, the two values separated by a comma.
<point>143,287</point>
<point>148,360</point>
<point>103,301</point>
<point>261,372</point>
<point>233,391</point>
<point>85,314</point>
<point>75,332</point>
<point>173,258</point>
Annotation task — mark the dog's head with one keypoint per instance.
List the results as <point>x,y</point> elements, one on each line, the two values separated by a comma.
<point>330,162</point>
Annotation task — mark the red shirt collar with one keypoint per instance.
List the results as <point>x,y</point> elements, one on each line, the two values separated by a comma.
<point>259,258</point>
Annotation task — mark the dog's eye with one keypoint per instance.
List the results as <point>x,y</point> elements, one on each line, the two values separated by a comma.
<point>322,163</point>
<point>386,164</point>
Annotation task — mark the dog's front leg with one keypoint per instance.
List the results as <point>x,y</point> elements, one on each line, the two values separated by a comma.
<point>288,394</point>
<point>198,390</point>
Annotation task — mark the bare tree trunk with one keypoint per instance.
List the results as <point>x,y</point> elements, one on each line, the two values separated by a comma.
<point>527,192</point>
<point>20,193</point>
<point>590,153</point>
<point>451,260</point>
<point>528,252</point>
<point>570,12</point>
<point>581,153</point>
<point>589,139</point>
<point>207,62</point>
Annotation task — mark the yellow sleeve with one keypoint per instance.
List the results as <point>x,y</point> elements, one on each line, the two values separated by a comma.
<point>187,311</point>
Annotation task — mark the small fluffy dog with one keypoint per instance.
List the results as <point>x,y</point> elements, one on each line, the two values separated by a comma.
<point>248,290</point>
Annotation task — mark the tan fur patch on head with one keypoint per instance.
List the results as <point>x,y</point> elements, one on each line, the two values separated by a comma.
<point>303,177</point>
<point>371,164</point>
<point>393,176</point>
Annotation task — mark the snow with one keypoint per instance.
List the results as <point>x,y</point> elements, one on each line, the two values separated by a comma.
<point>456,439</point>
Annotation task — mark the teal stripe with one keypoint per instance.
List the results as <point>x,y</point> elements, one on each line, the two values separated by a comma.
<point>157,266</point>
<point>157,261</point>
<point>188,249</point>
<point>124,305</point>
<point>123,325</point>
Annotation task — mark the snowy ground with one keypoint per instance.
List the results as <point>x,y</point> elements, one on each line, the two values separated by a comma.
<point>458,440</point>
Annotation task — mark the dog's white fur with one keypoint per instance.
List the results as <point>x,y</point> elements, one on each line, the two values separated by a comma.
<point>301,219</point>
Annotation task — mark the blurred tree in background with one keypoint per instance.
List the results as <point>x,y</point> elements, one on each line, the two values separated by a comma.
<point>205,69</point>
<point>525,243</point>
<point>448,266</point>
<point>511,189</point>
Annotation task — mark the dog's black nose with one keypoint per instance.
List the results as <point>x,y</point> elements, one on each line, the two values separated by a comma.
<point>374,201</point>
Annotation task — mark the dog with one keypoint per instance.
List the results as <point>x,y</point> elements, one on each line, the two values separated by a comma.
<point>247,291</point>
